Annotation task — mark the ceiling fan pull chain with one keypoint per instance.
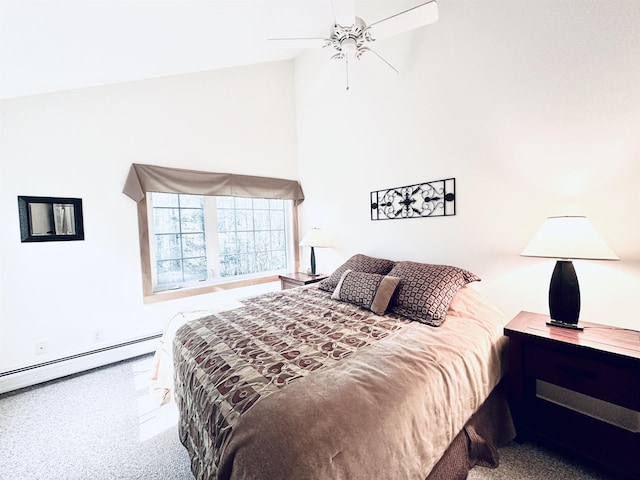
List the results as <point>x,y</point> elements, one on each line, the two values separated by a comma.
<point>346,62</point>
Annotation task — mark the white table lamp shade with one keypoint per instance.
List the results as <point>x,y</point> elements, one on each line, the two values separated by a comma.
<point>568,237</point>
<point>315,238</point>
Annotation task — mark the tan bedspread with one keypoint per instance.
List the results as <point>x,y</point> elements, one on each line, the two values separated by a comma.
<point>385,399</point>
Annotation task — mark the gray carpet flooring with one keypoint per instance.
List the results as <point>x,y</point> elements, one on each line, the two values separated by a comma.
<point>105,424</point>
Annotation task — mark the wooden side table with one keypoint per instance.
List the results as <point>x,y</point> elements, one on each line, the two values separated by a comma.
<point>601,362</point>
<point>297,279</point>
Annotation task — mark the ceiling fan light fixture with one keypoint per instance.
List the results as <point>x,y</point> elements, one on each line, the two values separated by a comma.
<point>349,46</point>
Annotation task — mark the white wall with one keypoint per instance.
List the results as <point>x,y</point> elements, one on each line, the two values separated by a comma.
<point>534,108</point>
<point>80,144</point>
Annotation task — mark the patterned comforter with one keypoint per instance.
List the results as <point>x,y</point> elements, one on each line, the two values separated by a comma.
<point>295,385</point>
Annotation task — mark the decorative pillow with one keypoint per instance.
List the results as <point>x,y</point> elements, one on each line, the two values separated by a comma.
<point>357,263</point>
<point>368,290</point>
<point>426,290</point>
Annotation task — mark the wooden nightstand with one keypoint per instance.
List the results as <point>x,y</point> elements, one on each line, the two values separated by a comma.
<point>601,362</point>
<point>297,279</point>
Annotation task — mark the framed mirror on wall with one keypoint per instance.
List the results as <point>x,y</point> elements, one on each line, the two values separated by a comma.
<point>50,219</point>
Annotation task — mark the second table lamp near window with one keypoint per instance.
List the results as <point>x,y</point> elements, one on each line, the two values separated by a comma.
<point>565,239</point>
<point>314,238</point>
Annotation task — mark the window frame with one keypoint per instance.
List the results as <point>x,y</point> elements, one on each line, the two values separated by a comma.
<point>149,296</point>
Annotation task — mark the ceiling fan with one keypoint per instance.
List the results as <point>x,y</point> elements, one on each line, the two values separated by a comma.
<point>351,37</point>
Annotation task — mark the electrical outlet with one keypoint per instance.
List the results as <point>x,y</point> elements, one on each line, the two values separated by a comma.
<point>41,348</point>
<point>98,336</point>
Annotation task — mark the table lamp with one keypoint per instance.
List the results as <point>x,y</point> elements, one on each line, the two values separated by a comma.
<point>567,238</point>
<point>314,238</point>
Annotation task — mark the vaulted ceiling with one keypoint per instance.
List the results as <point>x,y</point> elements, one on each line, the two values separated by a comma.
<point>57,45</point>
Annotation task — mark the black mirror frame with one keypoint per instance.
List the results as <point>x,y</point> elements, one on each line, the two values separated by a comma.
<point>24,212</point>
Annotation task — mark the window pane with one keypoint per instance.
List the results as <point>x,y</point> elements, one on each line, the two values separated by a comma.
<point>245,242</point>
<point>244,220</point>
<point>261,203</point>
<point>192,219</point>
<point>229,265</point>
<point>277,219</point>
<point>247,264</point>
<point>195,269</point>
<point>168,247</point>
<point>193,201</point>
<point>263,241</point>
<point>166,220</point>
<point>261,219</point>
<point>193,245</point>
<point>276,204</point>
<point>263,261</point>
<point>278,240</point>
<point>164,199</point>
<point>227,243</point>
<point>278,260</point>
<point>169,272</point>
<point>225,202</point>
<point>242,202</point>
<point>226,220</point>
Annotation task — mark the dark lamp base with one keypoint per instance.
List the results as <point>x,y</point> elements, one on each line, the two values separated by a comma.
<point>564,294</point>
<point>313,263</point>
<point>572,326</point>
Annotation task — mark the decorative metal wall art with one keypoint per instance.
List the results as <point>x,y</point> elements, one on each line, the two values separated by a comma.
<point>429,199</point>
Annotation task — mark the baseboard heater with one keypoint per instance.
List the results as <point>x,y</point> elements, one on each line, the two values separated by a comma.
<point>64,366</point>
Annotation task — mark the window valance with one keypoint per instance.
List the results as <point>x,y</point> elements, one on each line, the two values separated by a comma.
<point>151,178</point>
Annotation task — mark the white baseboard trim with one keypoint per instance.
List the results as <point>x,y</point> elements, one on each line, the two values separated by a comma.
<point>53,369</point>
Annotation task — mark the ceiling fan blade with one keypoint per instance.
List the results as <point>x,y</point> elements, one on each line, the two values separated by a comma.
<point>406,20</point>
<point>344,12</point>
<point>297,42</point>
<point>381,58</point>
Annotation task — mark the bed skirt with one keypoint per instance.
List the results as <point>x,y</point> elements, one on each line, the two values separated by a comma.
<point>477,444</point>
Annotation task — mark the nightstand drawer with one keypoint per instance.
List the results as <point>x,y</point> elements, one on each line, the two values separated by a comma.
<point>583,374</point>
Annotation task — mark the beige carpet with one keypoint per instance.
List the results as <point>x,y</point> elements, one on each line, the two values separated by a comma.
<point>529,461</point>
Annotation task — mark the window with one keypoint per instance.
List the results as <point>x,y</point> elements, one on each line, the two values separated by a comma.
<point>196,238</point>
<point>178,225</point>
<point>252,235</point>
<point>182,264</point>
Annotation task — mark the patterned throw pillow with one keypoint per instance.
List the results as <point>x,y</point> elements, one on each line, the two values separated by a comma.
<point>426,290</point>
<point>367,290</point>
<point>357,263</point>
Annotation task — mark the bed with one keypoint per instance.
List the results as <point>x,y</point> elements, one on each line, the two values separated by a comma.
<point>385,370</point>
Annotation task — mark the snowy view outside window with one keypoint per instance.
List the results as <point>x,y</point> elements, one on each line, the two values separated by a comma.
<point>217,238</point>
